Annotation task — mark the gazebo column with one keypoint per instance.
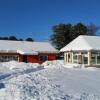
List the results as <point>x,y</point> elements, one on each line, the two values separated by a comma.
<point>65,58</point>
<point>79,59</point>
<point>89,58</point>
<point>71,56</point>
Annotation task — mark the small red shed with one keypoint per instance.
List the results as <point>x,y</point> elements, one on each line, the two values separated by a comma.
<point>23,51</point>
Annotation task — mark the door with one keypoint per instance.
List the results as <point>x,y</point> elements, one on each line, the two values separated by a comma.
<point>84,59</point>
<point>43,58</point>
<point>24,58</point>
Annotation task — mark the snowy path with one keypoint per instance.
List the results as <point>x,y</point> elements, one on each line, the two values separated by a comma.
<point>6,76</point>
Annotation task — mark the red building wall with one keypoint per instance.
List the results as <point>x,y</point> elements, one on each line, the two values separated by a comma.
<point>35,58</point>
<point>51,56</point>
<point>20,58</point>
<point>32,58</point>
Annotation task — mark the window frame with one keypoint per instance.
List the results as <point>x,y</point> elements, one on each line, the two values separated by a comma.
<point>7,58</point>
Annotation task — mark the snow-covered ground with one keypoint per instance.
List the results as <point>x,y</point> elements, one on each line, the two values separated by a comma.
<point>50,81</point>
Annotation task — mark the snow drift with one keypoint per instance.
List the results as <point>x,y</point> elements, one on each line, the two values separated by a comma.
<point>49,81</point>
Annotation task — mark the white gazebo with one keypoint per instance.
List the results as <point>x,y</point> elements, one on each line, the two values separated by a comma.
<point>83,50</point>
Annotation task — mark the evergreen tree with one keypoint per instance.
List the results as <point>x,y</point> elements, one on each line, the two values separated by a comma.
<point>13,38</point>
<point>65,33</point>
<point>78,29</point>
<point>20,39</point>
<point>29,39</point>
<point>61,35</point>
<point>5,38</point>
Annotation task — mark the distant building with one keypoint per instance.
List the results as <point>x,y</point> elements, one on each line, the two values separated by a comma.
<point>23,51</point>
<point>83,50</point>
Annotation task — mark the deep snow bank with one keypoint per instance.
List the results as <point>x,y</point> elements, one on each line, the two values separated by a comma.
<point>60,63</point>
<point>53,64</point>
<point>33,87</point>
<point>11,69</point>
<point>53,82</point>
<point>13,65</point>
<point>36,86</point>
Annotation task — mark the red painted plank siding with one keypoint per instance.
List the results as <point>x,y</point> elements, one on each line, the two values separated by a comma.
<point>51,56</point>
<point>33,59</point>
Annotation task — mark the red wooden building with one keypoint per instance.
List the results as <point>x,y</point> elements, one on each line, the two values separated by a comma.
<point>22,51</point>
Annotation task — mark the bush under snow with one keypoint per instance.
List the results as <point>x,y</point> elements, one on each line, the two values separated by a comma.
<point>53,64</point>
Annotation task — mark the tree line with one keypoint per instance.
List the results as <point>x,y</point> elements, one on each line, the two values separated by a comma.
<point>14,38</point>
<point>65,33</point>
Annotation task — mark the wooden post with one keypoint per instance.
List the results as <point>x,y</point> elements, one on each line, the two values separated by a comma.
<point>96,59</point>
<point>79,59</point>
<point>71,56</point>
<point>65,58</point>
<point>89,58</point>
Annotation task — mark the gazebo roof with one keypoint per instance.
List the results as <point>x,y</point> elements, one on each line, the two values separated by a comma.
<point>83,43</point>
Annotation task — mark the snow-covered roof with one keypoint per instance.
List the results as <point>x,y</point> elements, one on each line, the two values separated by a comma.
<point>83,43</point>
<point>24,47</point>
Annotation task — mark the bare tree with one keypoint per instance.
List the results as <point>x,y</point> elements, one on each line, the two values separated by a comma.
<point>92,29</point>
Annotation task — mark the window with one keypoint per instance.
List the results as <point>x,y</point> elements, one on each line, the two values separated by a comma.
<point>43,57</point>
<point>98,59</point>
<point>93,59</point>
<point>6,58</point>
<point>74,58</point>
<point>85,60</point>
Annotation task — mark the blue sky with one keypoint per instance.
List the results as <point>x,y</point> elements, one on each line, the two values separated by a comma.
<point>35,18</point>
